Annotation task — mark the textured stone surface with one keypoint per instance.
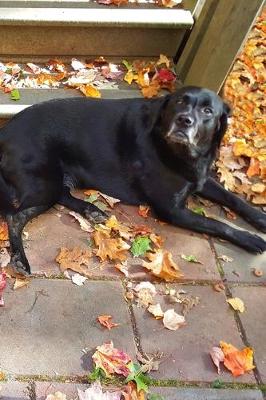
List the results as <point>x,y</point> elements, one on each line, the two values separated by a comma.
<point>207,394</point>
<point>253,320</point>
<point>51,324</point>
<point>14,391</point>
<point>186,351</point>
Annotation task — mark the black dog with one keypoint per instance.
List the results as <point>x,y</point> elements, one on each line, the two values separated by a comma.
<point>156,151</point>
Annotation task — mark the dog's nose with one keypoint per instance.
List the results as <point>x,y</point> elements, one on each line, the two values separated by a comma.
<point>185,119</point>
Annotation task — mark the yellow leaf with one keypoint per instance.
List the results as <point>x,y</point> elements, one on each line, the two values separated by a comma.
<point>90,91</point>
<point>237,361</point>
<point>162,265</point>
<point>163,60</point>
<point>237,304</point>
<point>129,77</point>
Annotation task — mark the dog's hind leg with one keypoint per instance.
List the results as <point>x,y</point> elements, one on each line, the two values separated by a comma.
<point>212,190</point>
<point>88,210</point>
<point>16,223</point>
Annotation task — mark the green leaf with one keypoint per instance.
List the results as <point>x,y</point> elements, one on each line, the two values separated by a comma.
<point>15,94</point>
<point>217,384</point>
<point>96,374</point>
<point>140,246</point>
<point>199,210</point>
<point>100,205</point>
<point>127,64</point>
<point>92,198</point>
<point>190,258</point>
<point>137,376</point>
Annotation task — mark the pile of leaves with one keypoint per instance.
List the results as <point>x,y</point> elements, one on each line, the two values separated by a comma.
<point>242,163</point>
<point>89,76</point>
<point>160,3</point>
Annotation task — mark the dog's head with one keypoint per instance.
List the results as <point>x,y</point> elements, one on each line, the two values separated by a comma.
<point>194,121</point>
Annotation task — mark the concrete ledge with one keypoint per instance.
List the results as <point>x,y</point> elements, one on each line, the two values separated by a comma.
<point>156,18</point>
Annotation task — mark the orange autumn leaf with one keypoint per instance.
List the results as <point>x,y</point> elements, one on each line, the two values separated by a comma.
<point>3,231</point>
<point>254,168</point>
<point>237,361</point>
<point>75,259</point>
<point>110,248</point>
<point>111,360</point>
<point>124,231</point>
<point>105,320</point>
<point>143,211</point>
<point>151,90</point>
<point>90,91</point>
<point>162,265</point>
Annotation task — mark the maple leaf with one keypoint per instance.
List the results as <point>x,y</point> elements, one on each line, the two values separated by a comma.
<point>138,377</point>
<point>105,320</point>
<point>75,259</point>
<point>112,248</point>
<point>162,265</point>
<point>151,90</point>
<point>123,230</point>
<point>140,246</point>
<point>237,361</point>
<point>111,360</point>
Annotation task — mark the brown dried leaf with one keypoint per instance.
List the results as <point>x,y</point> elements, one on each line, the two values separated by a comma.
<point>106,321</point>
<point>75,259</point>
<point>110,248</point>
<point>217,357</point>
<point>162,265</point>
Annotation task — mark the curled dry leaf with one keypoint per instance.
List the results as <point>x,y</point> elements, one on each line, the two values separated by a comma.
<point>106,321</point>
<point>219,287</point>
<point>90,91</point>
<point>257,272</point>
<point>122,267</point>
<point>156,311</point>
<point>145,292</point>
<point>237,361</point>
<point>95,392</point>
<point>149,363</point>
<point>20,279</point>
<point>75,259</point>
<point>237,304</point>
<point>84,223</point>
<point>124,231</point>
<point>217,356</point>
<point>143,211</point>
<point>111,360</point>
<point>78,279</point>
<point>225,258</point>
<point>162,265</point>
<point>110,248</point>
<point>111,201</point>
<point>157,240</point>
<point>172,320</point>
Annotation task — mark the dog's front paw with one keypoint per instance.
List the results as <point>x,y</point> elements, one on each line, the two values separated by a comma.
<point>252,243</point>
<point>20,266</point>
<point>96,217</point>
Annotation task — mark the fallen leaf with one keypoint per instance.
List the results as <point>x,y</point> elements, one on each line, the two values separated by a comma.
<point>110,248</point>
<point>20,282</point>
<point>162,265</point>
<point>237,361</point>
<point>84,223</point>
<point>95,392</point>
<point>111,360</point>
<point>149,363</point>
<point>75,259</point>
<point>257,272</point>
<point>124,231</point>
<point>237,304</point>
<point>15,95</point>
<point>143,211</point>
<point>56,396</point>
<point>156,311</point>
<point>136,375</point>
<point>219,287</point>
<point>163,60</point>
<point>3,231</point>
<point>151,90</point>
<point>140,246</point>
<point>145,292</point>
<point>190,258</point>
<point>225,258</point>
<point>172,320</point>
<point>111,201</point>
<point>78,279</point>
<point>90,91</point>
<point>188,302</point>
<point>105,320</point>
<point>4,257</point>
<point>157,240</point>
<point>142,230</point>
<point>122,267</point>
<point>217,356</point>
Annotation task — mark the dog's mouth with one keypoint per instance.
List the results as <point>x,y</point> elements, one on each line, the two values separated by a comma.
<point>177,136</point>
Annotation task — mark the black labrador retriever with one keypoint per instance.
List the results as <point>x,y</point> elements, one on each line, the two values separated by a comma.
<point>157,151</point>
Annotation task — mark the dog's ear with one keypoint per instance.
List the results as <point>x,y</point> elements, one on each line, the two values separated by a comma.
<point>222,124</point>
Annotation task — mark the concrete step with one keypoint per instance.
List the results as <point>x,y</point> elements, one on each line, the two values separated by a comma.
<point>92,31</point>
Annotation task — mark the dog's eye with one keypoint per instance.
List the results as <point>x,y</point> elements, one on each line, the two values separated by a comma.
<point>207,110</point>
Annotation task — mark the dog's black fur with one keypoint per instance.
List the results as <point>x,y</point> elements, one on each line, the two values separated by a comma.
<point>156,151</point>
